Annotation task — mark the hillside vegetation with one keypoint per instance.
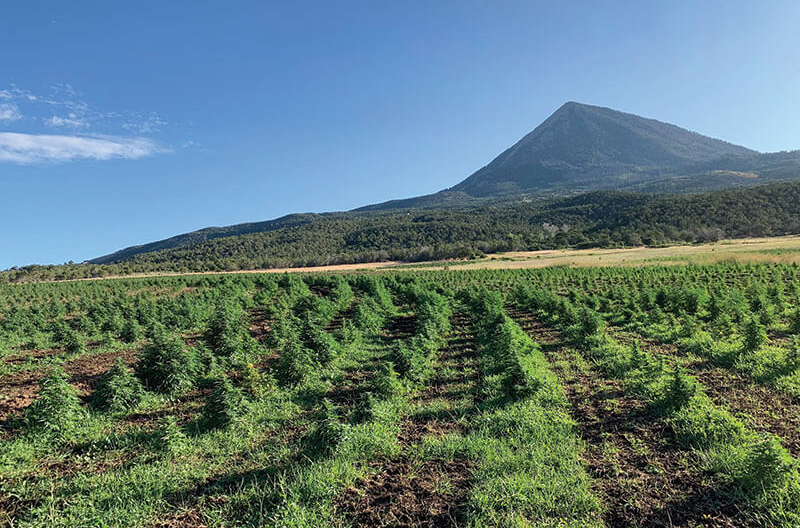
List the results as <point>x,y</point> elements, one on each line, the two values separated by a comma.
<point>600,219</point>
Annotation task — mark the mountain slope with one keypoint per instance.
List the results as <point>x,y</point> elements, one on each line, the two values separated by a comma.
<point>594,147</point>
<point>208,233</point>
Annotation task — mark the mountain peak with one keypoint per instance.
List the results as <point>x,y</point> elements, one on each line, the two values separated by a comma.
<point>585,146</point>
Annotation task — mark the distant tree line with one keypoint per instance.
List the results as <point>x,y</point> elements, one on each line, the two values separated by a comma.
<point>599,219</point>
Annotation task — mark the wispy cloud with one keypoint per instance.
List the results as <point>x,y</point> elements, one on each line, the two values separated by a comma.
<point>9,112</point>
<point>86,132</point>
<point>71,120</point>
<point>45,148</point>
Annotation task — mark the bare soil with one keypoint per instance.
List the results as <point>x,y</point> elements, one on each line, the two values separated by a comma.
<point>406,493</point>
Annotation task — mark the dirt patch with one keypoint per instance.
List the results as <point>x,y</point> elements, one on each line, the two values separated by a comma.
<point>338,321</point>
<point>12,508</point>
<point>260,324</point>
<point>350,390</point>
<point>414,430</point>
<point>760,407</point>
<point>181,519</point>
<point>405,493</point>
<point>27,355</point>
<point>401,327</point>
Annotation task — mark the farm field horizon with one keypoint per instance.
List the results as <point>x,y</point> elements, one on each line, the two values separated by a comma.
<point>778,250</point>
<point>614,396</point>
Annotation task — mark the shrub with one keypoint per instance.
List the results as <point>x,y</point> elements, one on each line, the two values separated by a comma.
<point>349,336</point>
<point>329,432</point>
<point>638,357</point>
<point>131,331</point>
<point>296,364</point>
<point>73,342</point>
<point>119,389</point>
<point>387,383</point>
<point>794,321</point>
<point>325,347</point>
<point>793,357</point>
<point>589,322</point>
<point>224,405</point>
<point>680,390</point>
<point>227,329</point>
<point>166,365</point>
<point>755,335</point>
<point>57,410</point>
<point>253,382</point>
<point>411,362</point>
<point>520,377</point>
<point>368,316</point>
<point>171,437</point>
<point>768,467</point>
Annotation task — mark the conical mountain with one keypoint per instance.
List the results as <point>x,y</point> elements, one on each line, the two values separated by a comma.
<point>583,146</point>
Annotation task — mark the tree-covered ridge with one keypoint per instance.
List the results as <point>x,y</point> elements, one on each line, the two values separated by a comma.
<point>600,219</point>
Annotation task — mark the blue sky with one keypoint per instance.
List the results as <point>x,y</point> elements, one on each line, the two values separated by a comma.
<point>126,122</point>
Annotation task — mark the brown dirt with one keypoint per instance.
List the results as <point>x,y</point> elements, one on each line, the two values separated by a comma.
<point>400,327</point>
<point>260,324</point>
<point>344,315</point>
<point>458,355</point>
<point>11,508</point>
<point>641,475</point>
<point>413,430</point>
<point>760,407</point>
<point>22,357</point>
<point>181,519</point>
<point>405,493</point>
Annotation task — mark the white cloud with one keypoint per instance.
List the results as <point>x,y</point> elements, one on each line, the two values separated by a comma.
<point>72,120</point>
<point>42,148</point>
<point>9,112</point>
<point>145,125</point>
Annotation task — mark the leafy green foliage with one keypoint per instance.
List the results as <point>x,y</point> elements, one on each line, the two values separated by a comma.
<point>599,219</point>
<point>166,365</point>
<point>755,335</point>
<point>224,404</point>
<point>119,390</point>
<point>57,411</point>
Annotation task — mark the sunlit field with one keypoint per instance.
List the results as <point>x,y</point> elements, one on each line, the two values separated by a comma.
<point>638,396</point>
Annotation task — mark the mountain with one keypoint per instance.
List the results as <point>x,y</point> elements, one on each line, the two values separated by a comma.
<point>580,148</point>
<point>583,148</point>
<point>593,147</point>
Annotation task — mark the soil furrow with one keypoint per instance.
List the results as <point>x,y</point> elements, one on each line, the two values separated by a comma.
<point>640,473</point>
<point>759,406</point>
<point>412,492</point>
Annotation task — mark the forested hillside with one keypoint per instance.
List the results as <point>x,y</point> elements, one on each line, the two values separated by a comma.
<point>600,219</point>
